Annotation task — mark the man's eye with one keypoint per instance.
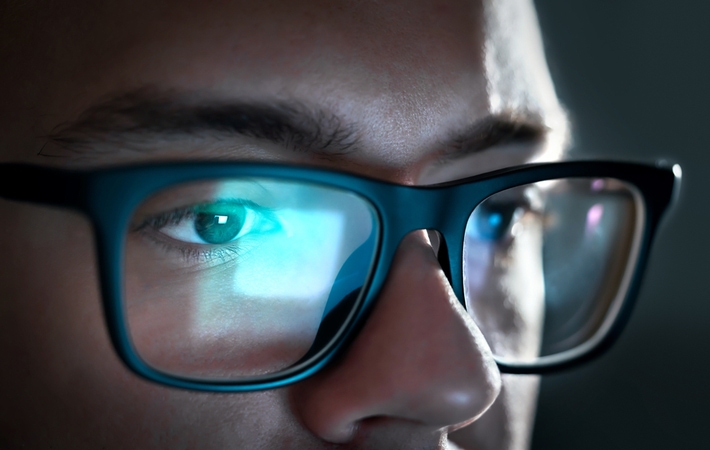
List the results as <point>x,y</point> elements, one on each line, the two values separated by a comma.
<point>218,227</point>
<point>217,223</point>
<point>493,221</point>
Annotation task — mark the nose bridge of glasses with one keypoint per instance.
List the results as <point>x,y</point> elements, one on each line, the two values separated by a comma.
<point>444,210</point>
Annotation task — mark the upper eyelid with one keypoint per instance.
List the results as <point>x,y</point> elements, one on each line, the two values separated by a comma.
<point>184,211</point>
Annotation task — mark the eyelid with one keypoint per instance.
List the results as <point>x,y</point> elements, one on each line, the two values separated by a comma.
<point>160,220</point>
<point>195,254</point>
<point>184,229</point>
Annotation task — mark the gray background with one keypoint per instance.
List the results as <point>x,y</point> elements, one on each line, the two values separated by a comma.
<point>635,76</point>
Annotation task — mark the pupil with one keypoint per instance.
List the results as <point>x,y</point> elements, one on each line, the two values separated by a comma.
<point>217,227</point>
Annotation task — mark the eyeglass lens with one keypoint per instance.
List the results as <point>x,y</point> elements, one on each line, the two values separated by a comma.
<point>229,279</point>
<point>545,264</point>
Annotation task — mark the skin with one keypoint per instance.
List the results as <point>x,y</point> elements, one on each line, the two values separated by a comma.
<point>405,74</point>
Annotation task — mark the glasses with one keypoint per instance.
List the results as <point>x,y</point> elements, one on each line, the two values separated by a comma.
<point>245,276</point>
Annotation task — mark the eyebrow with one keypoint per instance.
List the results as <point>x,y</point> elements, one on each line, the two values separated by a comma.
<point>519,127</point>
<point>145,114</point>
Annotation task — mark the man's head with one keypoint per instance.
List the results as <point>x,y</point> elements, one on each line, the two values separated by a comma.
<point>414,93</point>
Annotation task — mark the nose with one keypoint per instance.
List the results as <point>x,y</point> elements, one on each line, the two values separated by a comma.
<point>419,358</point>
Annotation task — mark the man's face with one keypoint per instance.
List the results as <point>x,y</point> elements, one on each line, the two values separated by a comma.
<point>421,91</point>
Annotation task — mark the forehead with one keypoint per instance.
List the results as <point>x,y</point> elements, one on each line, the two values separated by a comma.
<point>405,72</point>
<point>250,40</point>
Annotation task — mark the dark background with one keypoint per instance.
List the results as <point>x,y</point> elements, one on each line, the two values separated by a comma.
<point>635,76</point>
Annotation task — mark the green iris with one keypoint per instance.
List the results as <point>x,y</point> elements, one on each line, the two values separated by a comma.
<point>219,224</point>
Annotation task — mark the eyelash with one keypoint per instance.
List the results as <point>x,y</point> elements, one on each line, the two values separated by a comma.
<point>193,253</point>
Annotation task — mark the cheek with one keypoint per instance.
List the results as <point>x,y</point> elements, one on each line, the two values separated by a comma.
<point>505,292</point>
<point>199,324</point>
<point>50,302</point>
<point>523,287</point>
<point>63,372</point>
<point>211,320</point>
<point>50,325</point>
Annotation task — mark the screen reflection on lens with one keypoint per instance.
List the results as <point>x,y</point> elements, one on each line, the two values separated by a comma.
<point>229,279</point>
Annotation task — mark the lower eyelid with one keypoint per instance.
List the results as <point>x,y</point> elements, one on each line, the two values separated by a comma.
<point>191,254</point>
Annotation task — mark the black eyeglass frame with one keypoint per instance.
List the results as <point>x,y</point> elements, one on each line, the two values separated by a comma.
<point>109,197</point>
